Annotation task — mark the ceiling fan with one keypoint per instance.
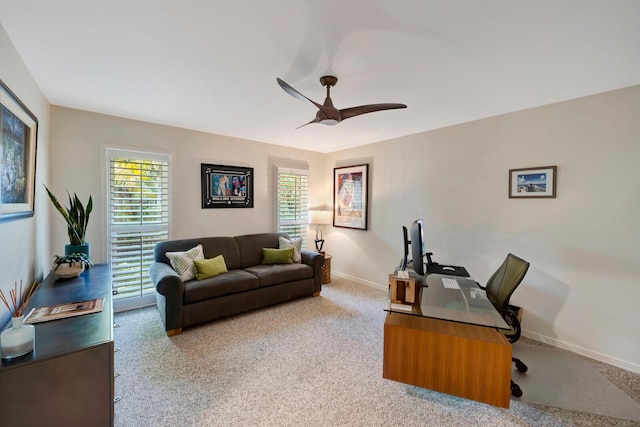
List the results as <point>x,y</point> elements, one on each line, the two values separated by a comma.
<point>329,115</point>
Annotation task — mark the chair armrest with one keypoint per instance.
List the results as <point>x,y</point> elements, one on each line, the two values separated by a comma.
<point>512,320</point>
<point>166,281</point>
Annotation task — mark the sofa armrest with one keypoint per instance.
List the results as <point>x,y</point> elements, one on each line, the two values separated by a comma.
<point>315,261</point>
<point>169,296</point>
<point>166,281</point>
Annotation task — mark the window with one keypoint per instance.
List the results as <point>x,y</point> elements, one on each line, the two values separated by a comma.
<point>292,204</point>
<point>138,219</point>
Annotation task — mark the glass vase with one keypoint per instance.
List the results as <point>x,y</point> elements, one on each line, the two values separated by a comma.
<point>17,340</point>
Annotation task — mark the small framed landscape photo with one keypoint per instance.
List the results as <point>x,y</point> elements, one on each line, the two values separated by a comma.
<point>226,186</point>
<point>350,202</point>
<point>538,182</point>
<point>18,138</point>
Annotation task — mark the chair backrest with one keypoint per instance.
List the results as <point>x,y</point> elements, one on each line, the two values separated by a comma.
<point>505,280</point>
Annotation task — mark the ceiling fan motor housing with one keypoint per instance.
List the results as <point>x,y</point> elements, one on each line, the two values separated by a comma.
<point>328,81</point>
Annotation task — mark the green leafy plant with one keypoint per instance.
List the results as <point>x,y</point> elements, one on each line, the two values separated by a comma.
<point>71,259</point>
<point>76,216</point>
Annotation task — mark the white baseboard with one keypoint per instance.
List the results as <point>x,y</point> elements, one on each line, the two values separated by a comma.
<point>379,286</point>
<point>533,335</point>
<point>613,361</point>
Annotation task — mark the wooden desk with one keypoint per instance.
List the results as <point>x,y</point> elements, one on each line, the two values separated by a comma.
<point>68,379</point>
<point>468,361</point>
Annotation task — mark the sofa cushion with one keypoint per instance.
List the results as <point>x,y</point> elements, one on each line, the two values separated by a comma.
<point>182,262</point>
<point>231,282</point>
<point>225,246</point>
<point>210,267</point>
<point>212,246</point>
<point>295,244</point>
<point>250,246</point>
<point>269,275</point>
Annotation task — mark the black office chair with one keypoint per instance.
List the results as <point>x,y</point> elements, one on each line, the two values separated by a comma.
<point>499,289</point>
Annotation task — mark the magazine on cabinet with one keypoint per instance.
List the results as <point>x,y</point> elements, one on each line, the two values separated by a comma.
<point>62,311</point>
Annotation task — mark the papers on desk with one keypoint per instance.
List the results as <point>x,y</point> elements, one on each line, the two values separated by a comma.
<point>400,307</point>
<point>450,283</point>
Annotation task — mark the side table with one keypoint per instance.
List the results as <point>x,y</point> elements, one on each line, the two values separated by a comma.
<point>326,269</point>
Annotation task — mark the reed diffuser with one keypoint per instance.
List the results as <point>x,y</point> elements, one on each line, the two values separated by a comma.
<point>19,339</point>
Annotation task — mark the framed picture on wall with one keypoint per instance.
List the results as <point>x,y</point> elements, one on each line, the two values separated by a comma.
<point>538,182</point>
<point>18,140</point>
<point>350,201</point>
<point>226,186</point>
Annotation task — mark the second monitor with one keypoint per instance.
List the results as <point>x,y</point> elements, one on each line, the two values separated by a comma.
<point>418,251</point>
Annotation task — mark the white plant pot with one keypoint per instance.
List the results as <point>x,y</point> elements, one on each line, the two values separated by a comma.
<point>17,340</point>
<point>66,271</point>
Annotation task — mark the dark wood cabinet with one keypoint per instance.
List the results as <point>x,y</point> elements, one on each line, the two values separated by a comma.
<point>68,379</point>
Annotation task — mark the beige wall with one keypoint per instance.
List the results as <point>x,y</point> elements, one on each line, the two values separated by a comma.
<point>79,140</point>
<point>24,252</point>
<point>582,289</point>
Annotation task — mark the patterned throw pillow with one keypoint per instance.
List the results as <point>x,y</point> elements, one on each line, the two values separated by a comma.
<point>295,244</point>
<point>182,262</point>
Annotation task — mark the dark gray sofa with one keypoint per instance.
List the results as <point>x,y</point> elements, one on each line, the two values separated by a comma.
<point>247,285</point>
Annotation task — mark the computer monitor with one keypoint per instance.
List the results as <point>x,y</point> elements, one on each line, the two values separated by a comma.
<point>405,259</point>
<point>417,246</point>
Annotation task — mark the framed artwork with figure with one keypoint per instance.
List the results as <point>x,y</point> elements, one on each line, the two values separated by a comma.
<point>226,186</point>
<point>350,201</point>
<point>18,140</point>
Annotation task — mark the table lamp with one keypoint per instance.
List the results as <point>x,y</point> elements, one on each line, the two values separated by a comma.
<point>320,218</point>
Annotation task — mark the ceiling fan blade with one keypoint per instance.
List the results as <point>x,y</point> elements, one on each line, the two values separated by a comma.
<point>364,109</point>
<point>312,121</point>
<point>291,91</point>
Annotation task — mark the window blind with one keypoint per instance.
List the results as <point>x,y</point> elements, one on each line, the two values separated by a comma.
<point>138,219</point>
<point>292,204</point>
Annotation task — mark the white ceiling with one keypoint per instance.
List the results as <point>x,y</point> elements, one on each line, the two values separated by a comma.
<point>212,65</point>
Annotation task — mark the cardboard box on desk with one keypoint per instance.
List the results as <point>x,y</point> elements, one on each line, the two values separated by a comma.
<point>403,291</point>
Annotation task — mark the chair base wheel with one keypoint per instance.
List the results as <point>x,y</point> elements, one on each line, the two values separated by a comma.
<point>516,390</point>
<point>521,366</point>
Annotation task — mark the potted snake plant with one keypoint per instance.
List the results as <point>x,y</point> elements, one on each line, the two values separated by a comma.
<point>77,218</point>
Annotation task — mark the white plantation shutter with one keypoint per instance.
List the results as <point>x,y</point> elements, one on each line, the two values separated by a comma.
<point>138,219</point>
<point>292,202</point>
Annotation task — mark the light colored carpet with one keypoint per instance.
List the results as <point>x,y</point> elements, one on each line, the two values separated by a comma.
<point>313,362</point>
<point>563,379</point>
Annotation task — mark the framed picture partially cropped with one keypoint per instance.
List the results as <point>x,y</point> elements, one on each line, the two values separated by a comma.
<point>350,202</point>
<point>538,182</point>
<point>226,186</point>
<point>18,140</point>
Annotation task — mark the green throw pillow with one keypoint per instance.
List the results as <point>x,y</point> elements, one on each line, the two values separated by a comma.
<point>277,256</point>
<point>210,267</point>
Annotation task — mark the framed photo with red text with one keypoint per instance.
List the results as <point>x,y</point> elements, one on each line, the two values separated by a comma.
<point>350,202</point>
<point>226,186</point>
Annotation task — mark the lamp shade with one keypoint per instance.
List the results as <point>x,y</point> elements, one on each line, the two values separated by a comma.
<point>320,217</point>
